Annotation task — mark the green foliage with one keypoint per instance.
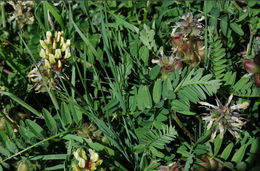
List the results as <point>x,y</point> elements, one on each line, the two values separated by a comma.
<point>151,140</point>
<point>111,97</point>
<point>219,62</point>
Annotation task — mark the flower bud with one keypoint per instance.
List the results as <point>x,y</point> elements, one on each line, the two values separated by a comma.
<point>67,44</point>
<point>67,53</point>
<point>57,53</point>
<point>23,166</point>
<point>43,44</point>
<point>47,52</point>
<point>58,36</point>
<point>75,167</point>
<point>55,35</point>
<point>165,60</point>
<point>47,64</point>
<point>250,66</point>
<point>83,154</point>
<point>54,44</point>
<point>93,166</point>
<point>82,163</point>
<point>43,54</point>
<point>59,64</point>
<point>61,41</point>
<point>63,48</point>
<point>93,155</point>
<point>48,36</point>
<point>52,58</point>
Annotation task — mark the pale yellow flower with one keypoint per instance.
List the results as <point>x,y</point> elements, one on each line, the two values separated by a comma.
<point>59,64</point>
<point>55,51</point>
<point>43,44</point>
<point>43,54</point>
<point>52,59</point>
<point>67,53</point>
<point>47,64</point>
<point>75,167</point>
<point>93,155</point>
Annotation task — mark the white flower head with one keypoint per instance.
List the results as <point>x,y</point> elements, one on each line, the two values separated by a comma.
<point>223,117</point>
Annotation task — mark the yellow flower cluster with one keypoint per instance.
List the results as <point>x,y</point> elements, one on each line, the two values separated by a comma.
<point>55,50</point>
<point>83,163</point>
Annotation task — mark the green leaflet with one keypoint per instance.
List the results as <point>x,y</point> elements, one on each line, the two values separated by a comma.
<point>226,152</point>
<point>65,114</point>
<point>36,129</point>
<point>237,28</point>
<point>144,99</point>
<point>157,91</point>
<point>50,122</point>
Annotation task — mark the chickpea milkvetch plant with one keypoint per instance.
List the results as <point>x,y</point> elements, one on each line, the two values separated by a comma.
<point>94,91</point>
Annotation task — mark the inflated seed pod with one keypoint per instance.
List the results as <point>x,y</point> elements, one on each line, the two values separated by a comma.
<point>23,166</point>
<point>2,123</point>
<point>257,79</point>
<point>250,66</point>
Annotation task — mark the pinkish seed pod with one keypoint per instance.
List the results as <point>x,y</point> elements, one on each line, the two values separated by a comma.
<point>185,47</point>
<point>250,66</point>
<point>177,39</point>
<point>257,80</point>
<point>168,68</point>
<point>2,123</point>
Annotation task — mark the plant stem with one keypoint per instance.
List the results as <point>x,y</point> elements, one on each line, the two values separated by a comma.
<point>3,14</point>
<point>38,143</point>
<point>146,11</point>
<point>177,120</point>
<point>249,44</point>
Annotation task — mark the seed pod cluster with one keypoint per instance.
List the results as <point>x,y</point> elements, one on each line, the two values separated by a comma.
<point>187,40</point>
<point>187,44</point>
